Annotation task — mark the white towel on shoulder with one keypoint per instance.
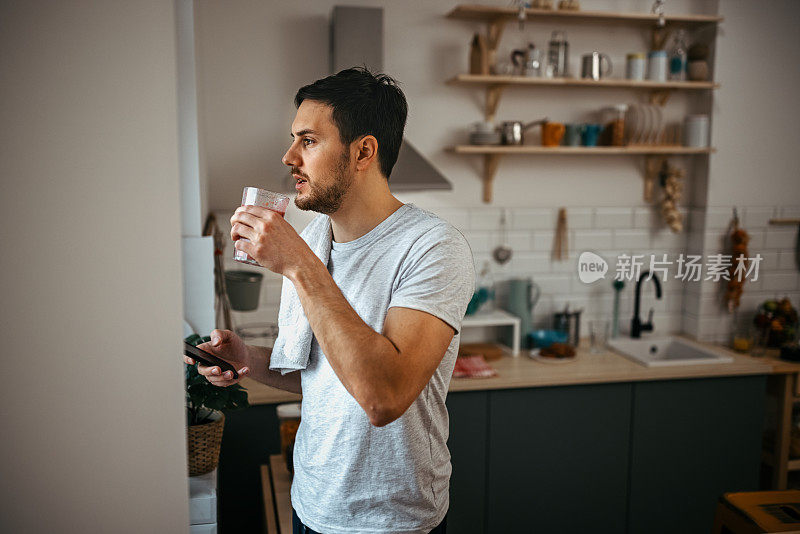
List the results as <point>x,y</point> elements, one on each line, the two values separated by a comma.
<point>293,344</point>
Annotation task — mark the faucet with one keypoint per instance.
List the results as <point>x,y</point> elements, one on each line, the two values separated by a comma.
<point>636,324</point>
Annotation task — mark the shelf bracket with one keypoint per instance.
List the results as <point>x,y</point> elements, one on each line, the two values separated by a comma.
<point>652,166</point>
<point>659,97</point>
<point>493,93</point>
<point>495,31</point>
<point>659,37</point>
<point>490,163</point>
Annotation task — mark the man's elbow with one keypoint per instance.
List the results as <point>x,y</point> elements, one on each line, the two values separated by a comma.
<point>382,414</point>
<point>381,417</point>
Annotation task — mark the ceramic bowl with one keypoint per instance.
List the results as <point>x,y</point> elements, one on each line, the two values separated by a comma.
<point>544,338</point>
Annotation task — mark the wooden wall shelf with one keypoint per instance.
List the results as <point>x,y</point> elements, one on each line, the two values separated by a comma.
<point>492,154</point>
<point>493,13</point>
<point>496,17</point>
<point>494,79</point>
<point>785,221</point>
<point>581,150</point>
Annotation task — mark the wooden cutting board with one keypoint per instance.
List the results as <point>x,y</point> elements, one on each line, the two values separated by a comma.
<point>490,351</point>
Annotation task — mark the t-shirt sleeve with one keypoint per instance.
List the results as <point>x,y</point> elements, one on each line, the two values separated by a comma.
<point>438,276</point>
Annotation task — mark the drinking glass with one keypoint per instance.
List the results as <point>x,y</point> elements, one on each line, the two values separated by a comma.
<point>253,196</point>
<point>598,336</point>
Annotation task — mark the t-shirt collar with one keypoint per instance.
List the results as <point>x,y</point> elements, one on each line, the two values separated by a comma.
<point>373,234</point>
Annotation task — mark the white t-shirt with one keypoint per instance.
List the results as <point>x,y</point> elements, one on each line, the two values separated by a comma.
<point>351,477</point>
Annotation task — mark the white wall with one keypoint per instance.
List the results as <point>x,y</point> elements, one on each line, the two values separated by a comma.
<point>198,251</point>
<point>756,113</point>
<point>755,129</point>
<point>254,55</point>
<point>92,397</point>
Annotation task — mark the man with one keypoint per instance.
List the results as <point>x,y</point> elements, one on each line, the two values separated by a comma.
<point>370,454</point>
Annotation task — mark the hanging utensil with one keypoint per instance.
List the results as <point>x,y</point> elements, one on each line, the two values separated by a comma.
<point>503,251</point>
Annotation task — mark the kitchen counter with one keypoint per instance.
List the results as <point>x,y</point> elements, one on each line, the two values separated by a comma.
<point>600,419</point>
<point>258,393</point>
<point>588,368</point>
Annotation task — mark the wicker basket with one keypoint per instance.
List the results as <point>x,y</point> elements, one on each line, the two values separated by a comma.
<point>202,445</point>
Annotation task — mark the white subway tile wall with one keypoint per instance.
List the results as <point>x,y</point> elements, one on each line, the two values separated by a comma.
<point>694,308</point>
<point>778,271</point>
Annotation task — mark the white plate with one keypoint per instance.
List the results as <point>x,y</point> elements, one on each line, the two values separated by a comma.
<point>630,124</point>
<point>534,353</point>
<point>647,124</point>
<point>657,126</point>
<point>637,124</point>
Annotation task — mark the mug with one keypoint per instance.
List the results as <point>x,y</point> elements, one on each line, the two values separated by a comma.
<point>590,133</point>
<point>593,66</point>
<point>552,133</point>
<point>572,135</point>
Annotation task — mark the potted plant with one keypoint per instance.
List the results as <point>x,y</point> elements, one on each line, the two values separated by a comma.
<point>204,418</point>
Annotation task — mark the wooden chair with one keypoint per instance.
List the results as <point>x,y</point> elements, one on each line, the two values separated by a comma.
<point>758,512</point>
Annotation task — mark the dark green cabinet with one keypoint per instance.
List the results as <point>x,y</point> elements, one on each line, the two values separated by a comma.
<point>558,459</point>
<point>692,441</point>
<point>249,438</point>
<point>643,457</point>
<point>468,455</point>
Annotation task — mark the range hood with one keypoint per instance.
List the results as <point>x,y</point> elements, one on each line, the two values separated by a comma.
<point>357,40</point>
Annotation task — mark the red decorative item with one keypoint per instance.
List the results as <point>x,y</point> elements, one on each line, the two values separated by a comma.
<point>472,367</point>
<point>737,242</point>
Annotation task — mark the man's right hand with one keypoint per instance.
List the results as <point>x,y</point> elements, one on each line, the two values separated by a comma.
<point>228,346</point>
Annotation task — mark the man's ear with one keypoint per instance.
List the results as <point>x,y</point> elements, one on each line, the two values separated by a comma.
<point>367,152</point>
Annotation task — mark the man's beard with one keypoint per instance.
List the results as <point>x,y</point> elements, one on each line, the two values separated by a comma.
<point>329,199</point>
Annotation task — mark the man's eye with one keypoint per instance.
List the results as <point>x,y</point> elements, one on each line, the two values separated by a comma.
<point>307,141</point>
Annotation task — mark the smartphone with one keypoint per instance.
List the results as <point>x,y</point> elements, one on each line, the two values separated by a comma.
<point>208,359</point>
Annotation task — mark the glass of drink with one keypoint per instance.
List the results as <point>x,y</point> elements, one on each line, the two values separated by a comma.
<point>253,196</point>
<point>598,336</point>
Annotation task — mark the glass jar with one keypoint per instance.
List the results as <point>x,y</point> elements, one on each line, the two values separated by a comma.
<point>617,124</point>
<point>558,55</point>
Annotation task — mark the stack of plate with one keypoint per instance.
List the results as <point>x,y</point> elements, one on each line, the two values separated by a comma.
<point>484,138</point>
<point>644,124</point>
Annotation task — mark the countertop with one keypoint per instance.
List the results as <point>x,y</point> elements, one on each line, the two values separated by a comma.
<point>523,372</point>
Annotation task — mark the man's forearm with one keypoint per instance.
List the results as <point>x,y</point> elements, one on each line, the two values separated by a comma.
<point>258,362</point>
<point>364,360</point>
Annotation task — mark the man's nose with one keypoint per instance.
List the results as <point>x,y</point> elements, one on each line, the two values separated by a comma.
<point>291,158</point>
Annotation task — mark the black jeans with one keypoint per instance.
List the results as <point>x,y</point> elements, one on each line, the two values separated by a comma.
<point>299,528</point>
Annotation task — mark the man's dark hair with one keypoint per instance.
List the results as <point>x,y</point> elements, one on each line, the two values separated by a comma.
<point>364,103</point>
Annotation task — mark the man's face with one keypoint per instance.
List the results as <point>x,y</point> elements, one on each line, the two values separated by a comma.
<point>319,160</point>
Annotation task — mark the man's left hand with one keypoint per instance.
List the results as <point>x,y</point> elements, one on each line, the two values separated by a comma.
<point>274,244</point>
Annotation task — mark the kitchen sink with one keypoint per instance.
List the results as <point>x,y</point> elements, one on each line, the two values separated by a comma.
<point>670,350</point>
